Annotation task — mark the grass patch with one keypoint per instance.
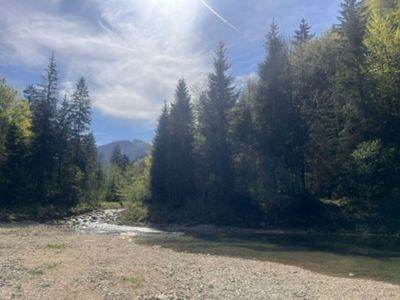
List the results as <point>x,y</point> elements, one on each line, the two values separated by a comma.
<point>36,271</point>
<point>51,266</point>
<point>110,205</point>
<point>56,246</point>
<point>133,280</point>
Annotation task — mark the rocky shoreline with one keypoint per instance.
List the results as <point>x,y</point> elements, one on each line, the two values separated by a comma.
<point>59,262</point>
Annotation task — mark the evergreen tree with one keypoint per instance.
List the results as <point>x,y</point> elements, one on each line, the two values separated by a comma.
<point>215,108</point>
<point>44,110</point>
<point>302,93</point>
<point>31,94</point>
<point>351,90</point>
<point>159,181</point>
<point>276,120</point>
<point>116,157</point>
<point>314,69</point>
<point>244,143</point>
<point>90,168</point>
<point>303,34</point>
<point>80,117</point>
<point>383,63</point>
<point>180,152</point>
<point>119,164</point>
<point>125,162</point>
<point>64,135</point>
<point>15,182</point>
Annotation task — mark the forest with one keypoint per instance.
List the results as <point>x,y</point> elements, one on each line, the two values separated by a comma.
<point>313,139</point>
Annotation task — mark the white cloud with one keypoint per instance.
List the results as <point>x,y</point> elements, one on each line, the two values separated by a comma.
<point>132,52</point>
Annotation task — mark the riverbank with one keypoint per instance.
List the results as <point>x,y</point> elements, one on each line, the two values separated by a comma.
<point>57,262</point>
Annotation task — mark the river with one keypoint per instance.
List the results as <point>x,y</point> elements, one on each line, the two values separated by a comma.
<point>372,257</point>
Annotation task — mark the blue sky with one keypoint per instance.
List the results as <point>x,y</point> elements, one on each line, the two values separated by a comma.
<point>132,52</point>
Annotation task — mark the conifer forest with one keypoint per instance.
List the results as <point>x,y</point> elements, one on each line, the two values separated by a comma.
<point>312,139</point>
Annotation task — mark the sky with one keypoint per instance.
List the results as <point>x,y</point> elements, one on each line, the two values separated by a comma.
<point>133,52</point>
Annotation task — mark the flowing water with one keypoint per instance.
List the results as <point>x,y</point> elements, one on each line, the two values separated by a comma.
<point>372,257</point>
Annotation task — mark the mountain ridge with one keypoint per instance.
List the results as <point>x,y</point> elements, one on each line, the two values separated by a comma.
<point>134,149</point>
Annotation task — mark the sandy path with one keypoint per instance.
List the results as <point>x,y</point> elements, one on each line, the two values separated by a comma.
<point>49,262</point>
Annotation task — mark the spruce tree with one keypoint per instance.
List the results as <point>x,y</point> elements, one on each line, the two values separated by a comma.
<point>64,132</point>
<point>80,117</point>
<point>276,120</point>
<point>15,180</point>
<point>244,143</point>
<point>383,64</point>
<point>44,153</point>
<point>116,157</point>
<point>90,168</point>
<point>351,88</point>
<point>215,108</point>
<point>31,94</point>
<point>303,91</point>
<point>180,158</point>
<point>303,34</point>
<point>159,181</point>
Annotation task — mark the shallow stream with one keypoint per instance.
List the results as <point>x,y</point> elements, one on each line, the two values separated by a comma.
<point>372,257</point>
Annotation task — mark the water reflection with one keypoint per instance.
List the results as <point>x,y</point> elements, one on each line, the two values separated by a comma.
<point>376,258</point>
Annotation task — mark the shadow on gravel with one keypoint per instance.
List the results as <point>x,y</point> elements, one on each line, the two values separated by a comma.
<point>373,257</point>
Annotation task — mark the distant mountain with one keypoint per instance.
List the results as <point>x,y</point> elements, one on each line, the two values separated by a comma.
<point>133,149</point>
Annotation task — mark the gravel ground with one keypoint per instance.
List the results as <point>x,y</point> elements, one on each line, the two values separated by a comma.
<point>54,262</point>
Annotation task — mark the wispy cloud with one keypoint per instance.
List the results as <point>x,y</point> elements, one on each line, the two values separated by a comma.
<point>132,52</point>
<point>219,16</point>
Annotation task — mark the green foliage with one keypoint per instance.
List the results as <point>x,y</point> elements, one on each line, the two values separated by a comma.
<point>136,188</point>
<point>374,170</point>
<point>15,180</point>
<point>320,121</point>
<point>134,191</point>
<point>180,152</point>
<point>159,167</point>
<point>114,180</point>
<point>303,34</point>
<point>133,280</point>
<point>13,112</point>
<point>277,122</point>
<point>109,205</point>
<point>48,157</point>
<point>216,104</point>
<point>135,213</point>
<point>383,44</point>
<point>56,246</point>
<point>172,175</point>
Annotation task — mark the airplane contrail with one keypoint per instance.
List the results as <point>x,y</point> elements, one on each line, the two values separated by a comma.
<point>219,16</point>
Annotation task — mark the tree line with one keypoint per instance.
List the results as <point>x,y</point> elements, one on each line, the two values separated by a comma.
<point>320,124</point>
<point>316,131</point>
<point>48,154</point>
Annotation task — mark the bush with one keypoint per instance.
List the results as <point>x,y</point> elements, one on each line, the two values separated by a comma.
<point>135,213</point>
<point>373,169</point>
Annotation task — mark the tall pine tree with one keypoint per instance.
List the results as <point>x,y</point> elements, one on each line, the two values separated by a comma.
<point>276,122</point>
<point>80,117</point>
<point>303,34</point>
<point>159,181</point>
<point>44,110</point>
<point>180,152</point>
<point>215,108</point>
